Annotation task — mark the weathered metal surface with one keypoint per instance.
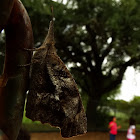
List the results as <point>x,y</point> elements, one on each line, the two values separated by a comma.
<point>14,80</point>
<point>5,10</point>
<point>53,95</point>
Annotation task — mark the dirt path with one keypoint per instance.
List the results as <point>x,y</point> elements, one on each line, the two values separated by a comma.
<point>88,136</point>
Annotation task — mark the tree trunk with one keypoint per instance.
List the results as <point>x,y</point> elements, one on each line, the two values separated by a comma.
<point>91,114</point>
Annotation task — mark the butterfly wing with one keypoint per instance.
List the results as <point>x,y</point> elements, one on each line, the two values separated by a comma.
<point>54,98</point>
<point>74,118</point>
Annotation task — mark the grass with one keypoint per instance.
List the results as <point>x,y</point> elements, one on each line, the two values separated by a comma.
<point>36,126</point>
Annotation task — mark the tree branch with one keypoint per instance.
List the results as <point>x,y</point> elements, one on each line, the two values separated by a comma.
<point>109,48</point>
<point>132,61</point>
<point>117,81</point>
<point>93,42</point>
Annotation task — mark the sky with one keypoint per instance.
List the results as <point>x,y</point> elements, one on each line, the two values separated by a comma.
<point>130,85</point>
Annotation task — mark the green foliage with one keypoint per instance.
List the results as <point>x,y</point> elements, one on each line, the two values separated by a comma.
<point>83,30</point>
<point>134,108</point>
<point>124,110</point>
<point>36,126</point>
<point>130,108</point>
<point>99,38</point>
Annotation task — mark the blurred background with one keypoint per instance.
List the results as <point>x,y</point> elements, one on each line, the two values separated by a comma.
<point>99,41</point>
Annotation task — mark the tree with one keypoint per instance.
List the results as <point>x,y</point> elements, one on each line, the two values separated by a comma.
<point>100,38</point>
<point>130,109</point>
<point>134,108</point>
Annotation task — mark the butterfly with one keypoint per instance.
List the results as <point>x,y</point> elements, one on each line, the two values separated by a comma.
<point>53,94</point>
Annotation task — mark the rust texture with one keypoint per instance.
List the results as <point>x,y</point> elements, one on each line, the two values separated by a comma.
<point>14,80</point>
<point>5,10</point>
<point>53,95</point>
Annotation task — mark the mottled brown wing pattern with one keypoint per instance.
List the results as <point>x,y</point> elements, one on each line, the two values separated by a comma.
<point>53,96</point>
<point>67,93</point>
